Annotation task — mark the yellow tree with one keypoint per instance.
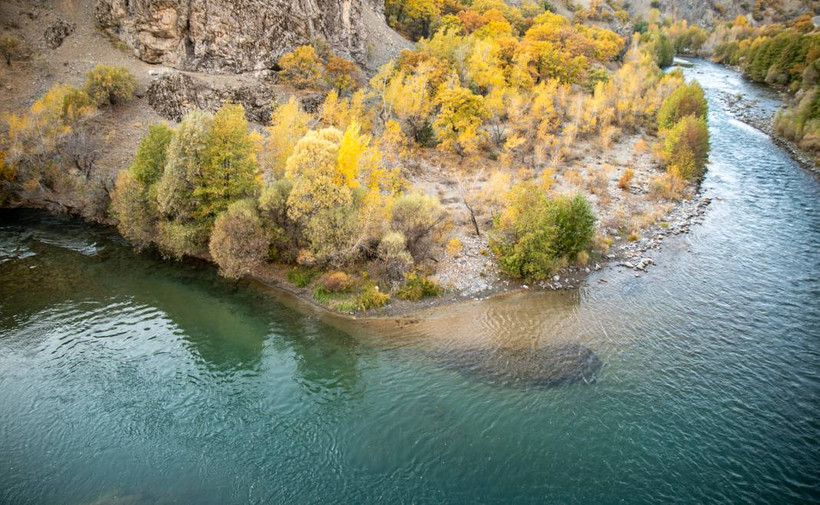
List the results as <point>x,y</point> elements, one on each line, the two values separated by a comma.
<point>289,123</point>
<point>460,116</point>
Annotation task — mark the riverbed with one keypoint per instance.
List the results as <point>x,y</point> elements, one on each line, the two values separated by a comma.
<point>125,379</point>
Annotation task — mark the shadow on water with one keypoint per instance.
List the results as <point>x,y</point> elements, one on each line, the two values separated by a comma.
<point>49,261</point>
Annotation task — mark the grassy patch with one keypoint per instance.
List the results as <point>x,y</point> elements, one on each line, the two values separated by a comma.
<point>301,277</point>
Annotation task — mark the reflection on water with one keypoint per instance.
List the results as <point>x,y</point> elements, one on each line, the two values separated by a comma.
<point>124,379</point>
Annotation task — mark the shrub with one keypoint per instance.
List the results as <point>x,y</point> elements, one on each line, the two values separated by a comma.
<point>11,48</point>
<point>668,186</point>
<point>176,240</point>
<point>417,217</point>
<point>152,153</point>
<point>454,247</point>
<point>535,233</point>
<point>238,241</point>
<point>335,282</point>
<point>625,181</point>
<point>686,100</point>
<point>107,84</point>
<point>686,148</point>
<point>301,67</point>
<point>393,255</point>
<point>301,277</point>
<point>416,287</point>
<point>371,298</point>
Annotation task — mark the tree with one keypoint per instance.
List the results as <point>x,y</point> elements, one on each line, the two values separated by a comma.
<point>238,241</point>
<point>289,123</point>
<point>312,169</point>
<point>423,12</point>
<point>664,52</point>
<point>107,84</point>
<point>408,98</point>
<point>301,67</point>
<point>461,114</point>
<point>11,48</point>
<point>686,148</point>
<point>136,217</point>
<point>152,154</point>
<point>341,74</point>
<point>686,100</point>
<point>186,153</point>
<point>228,169</point>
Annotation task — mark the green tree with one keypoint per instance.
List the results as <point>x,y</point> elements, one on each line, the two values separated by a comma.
<point>130,205</point>
<point>686,100</point>
<point>185,155</point>
<point>686,148</point>
<point>152,154</point>
<point>228,169</point>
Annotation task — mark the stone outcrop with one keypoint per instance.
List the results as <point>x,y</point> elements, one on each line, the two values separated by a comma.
<point>232,36</point>
<point>174,94</point>
<point>57,32</point>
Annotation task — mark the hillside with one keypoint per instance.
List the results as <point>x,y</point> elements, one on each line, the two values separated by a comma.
<point>428,174</point>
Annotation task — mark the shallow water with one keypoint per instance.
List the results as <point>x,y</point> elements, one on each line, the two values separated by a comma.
<point>127,380</point>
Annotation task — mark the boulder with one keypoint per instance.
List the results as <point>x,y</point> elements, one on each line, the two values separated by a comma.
<point>57,32</point>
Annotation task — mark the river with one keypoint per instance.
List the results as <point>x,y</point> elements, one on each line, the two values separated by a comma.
<point>128,380</point>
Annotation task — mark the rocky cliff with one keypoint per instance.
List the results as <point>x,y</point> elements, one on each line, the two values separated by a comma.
<point>709,12</point>
<point>244,35</point>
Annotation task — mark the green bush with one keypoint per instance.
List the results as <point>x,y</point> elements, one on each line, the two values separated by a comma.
<point>301,277</point>
<point>371,298</point>
<point>107,84</point>
<point>686,100</point>
<point>535,234</point>
<point>416,287</point>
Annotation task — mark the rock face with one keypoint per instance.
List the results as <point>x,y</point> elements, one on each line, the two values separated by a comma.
<point>550,366</point>
<point>174,94</point>
<point>709,12</point>
<point>240,35</point>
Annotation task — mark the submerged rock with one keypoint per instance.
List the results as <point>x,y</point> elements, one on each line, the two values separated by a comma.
<point>549,366</point>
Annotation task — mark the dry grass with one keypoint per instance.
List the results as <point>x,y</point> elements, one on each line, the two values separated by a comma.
<point>625,181</point>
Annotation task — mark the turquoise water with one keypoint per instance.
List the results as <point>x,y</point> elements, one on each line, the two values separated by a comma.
<point>124,379</point>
